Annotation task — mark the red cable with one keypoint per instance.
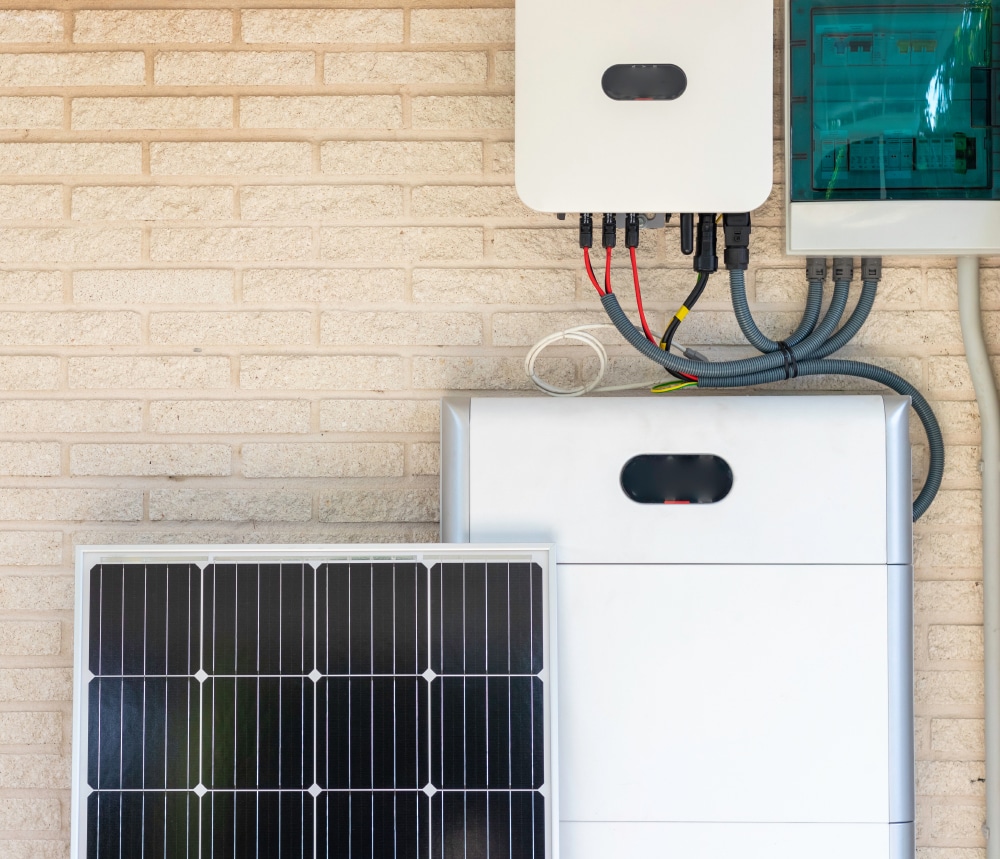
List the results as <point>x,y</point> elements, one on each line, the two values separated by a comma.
<point>590,272</point>
<point>607,274</point>
<point>638,299</point>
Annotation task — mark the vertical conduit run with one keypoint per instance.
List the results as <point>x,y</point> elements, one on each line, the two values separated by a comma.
<point>989,415</point>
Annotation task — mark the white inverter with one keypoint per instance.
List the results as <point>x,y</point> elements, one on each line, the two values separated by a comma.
<point>734,613</point>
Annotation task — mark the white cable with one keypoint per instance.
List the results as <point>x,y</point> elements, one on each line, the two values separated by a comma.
<point>580,334</point>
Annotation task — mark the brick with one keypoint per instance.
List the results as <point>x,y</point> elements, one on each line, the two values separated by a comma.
<point>262,533</point>
<point>69,245</point>
<point>494,286</point>
<point>322,25</point>
<point>379,505</point>
<point>33,771</point>
<point>188,505</point>
<point>243,417</point>
<point>145,287</point>
<point>69,328</point>
<point>781,285</point>
<point>234,68</point>
<point>504,68</point>
<point>149,372</point>
<point>403,329</point>
<point>401,244</point>
<point>379,416</point>
<point>943,550</point>
<point>462,25</point>
<point>950,778</point>
<point>323,460</point>
<point>463,111</point>
<point>400,157</point>
<point>36,849</point>
<point>959,420</point>
<point>958,736</point>
<point>468,201</point>
<point>36,684</point>
<point>35,111</point>
<point>324,285</point>
<point>502,158</point>
<point>103,68</point>
<point>951,376</point>
<point>30,548</point>
<point>942,288</point>
<point>321,111</point>
<point>323,202</point>
<point>961,464</point>
<point>487,374</point>
<point>524,329</point>
<point>152,26</point>
<point>55,159</point>
<point>548,245</point>
<point>34,202</point>
<point>36,593</point>
<point>948,688</point>
<point>955,642</point>
<point>246,328</point>
<point>236,244</point>
<point>29,373</point>
<point>151,203</point>
<point>151,460</point>
<point>952,598</point>
<point>956,507</point>
<point>935,330</point>
<point>156,113</point>
<point>38,813</point>
<point>29,459</point>
<point>405,68</point>
<point>30,637</point>
<point>70,416</point>
<point>21,25</point>
<point>320,372</point>
<point>425,459</point>
<point>230,158</point>
<point>118,505</point>
<point>957,822</point>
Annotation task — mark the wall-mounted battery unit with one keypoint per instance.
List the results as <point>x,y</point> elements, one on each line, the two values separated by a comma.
<point>313,701</point>
<point>734,613</point>
<point>892,112</point>
<point>644,105</point>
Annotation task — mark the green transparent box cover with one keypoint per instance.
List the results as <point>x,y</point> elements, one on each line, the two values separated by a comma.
<point>893,101</point>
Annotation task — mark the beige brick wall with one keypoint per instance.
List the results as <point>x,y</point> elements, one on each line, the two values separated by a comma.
<point>243,252</point>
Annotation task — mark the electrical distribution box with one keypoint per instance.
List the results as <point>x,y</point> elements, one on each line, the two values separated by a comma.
<point>734,613</point>
<point>644,105</point>
<point>891,115</point>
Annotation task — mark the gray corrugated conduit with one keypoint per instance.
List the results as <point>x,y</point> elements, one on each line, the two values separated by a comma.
<point>989,416</point>
<point>790,360</point>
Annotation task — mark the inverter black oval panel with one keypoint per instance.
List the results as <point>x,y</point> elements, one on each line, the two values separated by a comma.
<point>676,478</point>
<point>648,82</point>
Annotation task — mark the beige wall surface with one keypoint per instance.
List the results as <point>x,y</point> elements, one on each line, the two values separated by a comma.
<point>244,251</point>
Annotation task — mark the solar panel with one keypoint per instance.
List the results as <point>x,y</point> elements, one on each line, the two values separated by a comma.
<point>321,706</point>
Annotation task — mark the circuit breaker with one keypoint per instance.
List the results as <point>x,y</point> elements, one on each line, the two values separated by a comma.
<point>892,113</point>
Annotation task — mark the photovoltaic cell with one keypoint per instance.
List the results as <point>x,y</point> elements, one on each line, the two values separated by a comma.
<point>359,709</point>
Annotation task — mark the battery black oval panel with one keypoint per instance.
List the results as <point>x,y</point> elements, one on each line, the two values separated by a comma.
<point>648,82</point>
<point>676,478</point>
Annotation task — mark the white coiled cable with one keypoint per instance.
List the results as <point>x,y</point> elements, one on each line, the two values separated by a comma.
<point>581,334</point>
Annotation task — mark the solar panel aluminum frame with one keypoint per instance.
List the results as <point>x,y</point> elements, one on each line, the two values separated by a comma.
<point>315,555</point>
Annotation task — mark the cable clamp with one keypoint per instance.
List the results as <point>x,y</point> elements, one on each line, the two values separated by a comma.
<point>791,365</point>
